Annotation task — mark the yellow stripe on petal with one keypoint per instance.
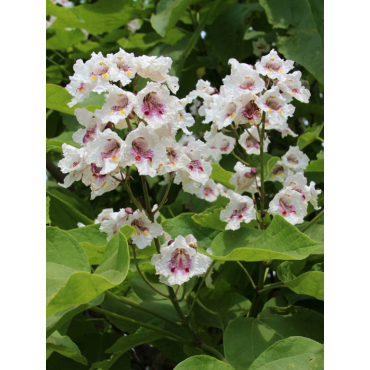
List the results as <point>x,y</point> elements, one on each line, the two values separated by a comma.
<point>145,232</point>
<point>232,115</point>
<point>128,72</point>
<point>112,111</point>
<point>122,111</point>
<point>280,111</point>
<point>93,77</point>
<point>105,75</point>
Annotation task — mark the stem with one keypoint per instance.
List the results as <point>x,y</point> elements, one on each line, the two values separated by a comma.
<point>146,197</point>
<point>142,276</point>
<point>253,310</point>
<point>136,202</point>
<point>144,325</point>
<point>245,270</point>
<point>251,164</point>
<point>59,66</point>
<point>131,303</point>
<point>128,123</point>
<point>165,194</point>
<point>235,131</point>
<point>262,133</point>
<point>312,222</point>
<point>214,351</point>
<point>200,286</point>
<point>271,286</point>
<point>135,80</point>
<point>183,293</point>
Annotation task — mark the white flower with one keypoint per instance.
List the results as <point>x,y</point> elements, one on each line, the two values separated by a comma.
<point>295,160</point>
<point>292,87</point>
<point>155,105</point>
<point>209,191</point>
<point>199,170</point>
<point>223,110</point>
<point>118,105</point>
<point>145,230</point>
<point>279,172</point>
<point>179,261</point>
<point>240,209</point>
<point>245,179</point>
<point>312,195</point>
<point>249,111</point>
<point>189,185</point>
<point>125,67</point>
<point>203,89</point>
<point>114,222</point>
<point>297,182</point>
<point>106,151</point>
<point>224,192</point>
<point>133,25</point>
<point>92,123</point>
<point>260,47</point>
<point>218,144</point>
<point>156,68</point>
<point>276,107</point>
<point>99,183</point>
<point>176,158</point>
<point>250,141</point>
<point>273,66</point>
<point>144,150</point>
<point>80,90</point>
<point>244,78</point>
<point>104,215</point>
<point>73,163</point>
<point>194,107</point>
<point>289,204</point>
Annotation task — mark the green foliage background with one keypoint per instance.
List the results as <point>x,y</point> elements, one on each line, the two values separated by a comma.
<point>172,28</point>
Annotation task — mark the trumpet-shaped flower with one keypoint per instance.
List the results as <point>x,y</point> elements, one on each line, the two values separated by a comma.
<point>289,204</point>
<point>114,222</point>
<point>297,182</point>
<point>125,66</point>
<point>260,47</point>
<point>312,195</point>
<point>295,160</point>
<point>240,209</point>
<point>143,149</point>
<point>92,123</point>
<point>118,105</point>
<point>249,111</point>
<point>176,158</point>
<point>273,66</point>
<point>279,172</point>
<point>218,144</point>
<point>292,87</point>
<point>250,141</point>
<point>209,191</point>
<point>179,261</point>
<point>245,179</point>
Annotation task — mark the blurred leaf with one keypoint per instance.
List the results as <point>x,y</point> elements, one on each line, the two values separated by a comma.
<point>250,34</point>
<point>63,345</point>
<point>304,353</point>
<point>226,34</point>
<point>56,143</point>
<point>47,210</point>
<point>246,338</point>
<point>203,363</point>
<point>63,214</point>
<point>69,286</point>
<point>53,75</point>
<point>309,283</point>
<point>309,136</point>
<point>57,98</point>
<point>168,13</point>
<point>280,241</point>
<point>185,225</point>
<point>316,166</point>
<point>304,40</point>
<point>63,39</point>
<point>222,176</point>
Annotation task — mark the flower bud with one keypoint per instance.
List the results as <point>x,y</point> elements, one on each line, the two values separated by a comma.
<point>170,242</point>
<point>129,210</point>
<point>263,213</point>
<point>109,125</point>
<point>254,170</point>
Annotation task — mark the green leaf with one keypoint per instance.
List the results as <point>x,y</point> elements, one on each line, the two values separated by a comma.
<point>64,345</point>
<point>92,240</point>
<point>309,136</point>
<point>316,233</point>
<point>57,98</point>
<point>47,210</point>
<point>63,39</point>
<point>304,39</point>
<point>280,241</point>
<point>185,225</point>
<point>56,320</point>
<point>220,312</point>
<point>297,352</point>
<point>56,143</point>
<point>168,13</point>
<point>251,34</point>
<point>53,75</point>
<point>309,283</point>
<point>270,165</point>
<point>226,34</point>
<point>125,344</point>
<point>70,286</point>
<point>246,338</point>
<point>222,176</point>
<point>316,166</point>
<point>202,363</point>
<point>102,16</point>
<point>63,214</point>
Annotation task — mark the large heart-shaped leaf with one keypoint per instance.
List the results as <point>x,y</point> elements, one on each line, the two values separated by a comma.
<point>246,338</point>
<point>70,282</point>
<point>280,241</point>
<point>294,352</point>
<point>222,176</point>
